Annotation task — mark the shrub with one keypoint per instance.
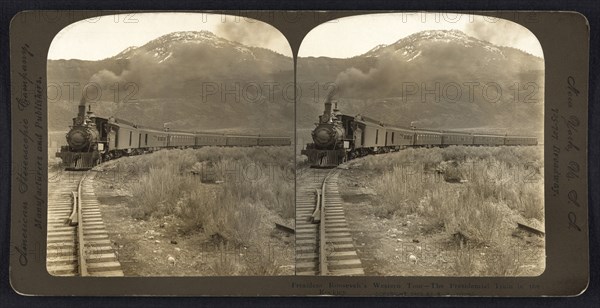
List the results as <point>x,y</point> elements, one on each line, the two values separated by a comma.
<point>468,213</point>
<point>195,208</point>
<point>406,184</point>
<point>253,180</point>
<point>156,192</point>
<point>401,190</point>
<point>531,202</point>
<point>233,220</point>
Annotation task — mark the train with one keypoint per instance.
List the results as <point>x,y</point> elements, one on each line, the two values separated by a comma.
<point>92,139</point>
<point>339,137</point>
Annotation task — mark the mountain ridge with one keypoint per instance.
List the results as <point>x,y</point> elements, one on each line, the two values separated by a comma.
<point>194,79</point>
<point>376,84</point>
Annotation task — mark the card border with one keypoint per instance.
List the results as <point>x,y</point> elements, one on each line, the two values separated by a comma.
<point>558,274</point>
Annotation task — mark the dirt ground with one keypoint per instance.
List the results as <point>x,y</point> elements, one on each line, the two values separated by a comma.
<point>158,247</point>
<point>411,246</point>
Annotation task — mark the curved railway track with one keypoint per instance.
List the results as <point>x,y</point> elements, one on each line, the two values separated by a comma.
<point>324,245</point>
<point>77,242</point>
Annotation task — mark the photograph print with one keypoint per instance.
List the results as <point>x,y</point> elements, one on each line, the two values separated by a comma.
<point>420,147</point>
<point>170,147</point>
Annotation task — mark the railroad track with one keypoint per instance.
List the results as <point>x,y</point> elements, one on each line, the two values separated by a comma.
<point>324,245</point>
<point>77,242</point>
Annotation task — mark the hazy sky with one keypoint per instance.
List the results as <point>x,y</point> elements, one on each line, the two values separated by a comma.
<point>102,37</point>
<point>351,36</point>
<point>105,36</point>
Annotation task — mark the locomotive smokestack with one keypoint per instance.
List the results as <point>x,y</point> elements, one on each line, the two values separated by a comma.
<point>80,112</point>
<point>327,112</point>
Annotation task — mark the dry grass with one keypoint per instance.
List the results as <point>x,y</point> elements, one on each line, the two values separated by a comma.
<point>417,181</point>
<point>252,180</point>
<point>464,263</point>
<point>502,263</point>
<point>225,263</point>
<point>530,201</point>
<point>466,192</point>
<point>194,208</point>
<point>154,194</point>
<point>400,191</point>
<point>233,220</point>
<point>262,262</point>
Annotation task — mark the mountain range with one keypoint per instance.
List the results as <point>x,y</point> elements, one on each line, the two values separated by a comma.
<point>199,81</point>
<point>186,80</point>
<point>442,79</point>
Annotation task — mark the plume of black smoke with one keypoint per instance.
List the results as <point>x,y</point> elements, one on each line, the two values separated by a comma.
<point>379,80</point>
<point>332,93</point>
<point>140,73</point>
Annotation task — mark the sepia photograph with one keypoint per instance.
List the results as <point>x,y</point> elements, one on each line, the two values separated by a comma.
<point>297,153</point>
<point>170,147</point>
<point>420,147</point>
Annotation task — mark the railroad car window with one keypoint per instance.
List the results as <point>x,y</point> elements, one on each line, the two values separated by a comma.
<point>146,139</point>
<point>376,135</point>
<point>392,137</point>
<point>130,134</point>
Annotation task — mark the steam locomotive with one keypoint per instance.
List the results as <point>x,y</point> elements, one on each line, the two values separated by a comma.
<point>92,140</point>
<point>338,137</point>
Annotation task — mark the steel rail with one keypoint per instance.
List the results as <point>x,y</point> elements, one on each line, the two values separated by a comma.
<point>80,240</point>
<point>322,236</point>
